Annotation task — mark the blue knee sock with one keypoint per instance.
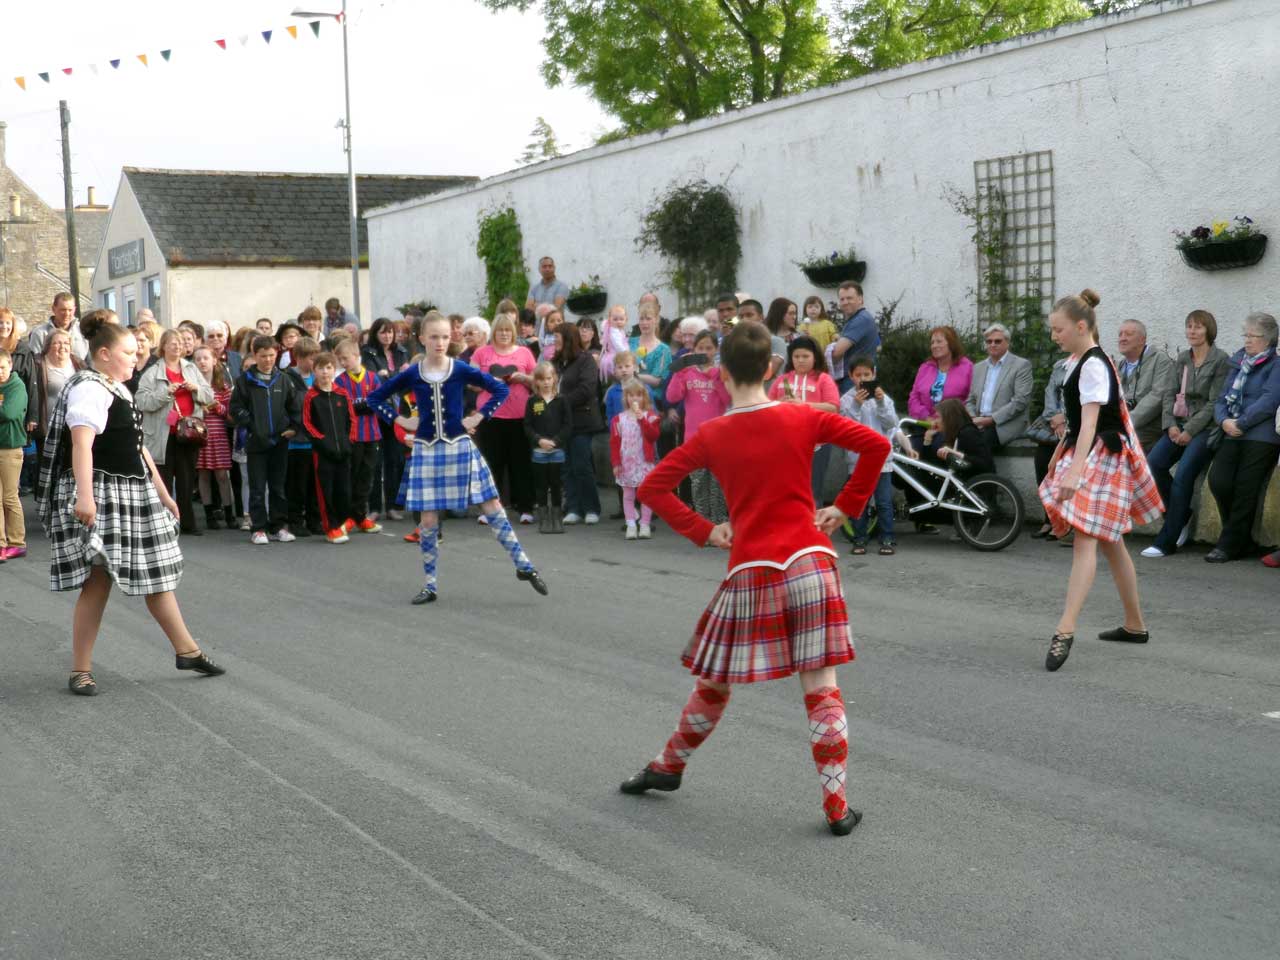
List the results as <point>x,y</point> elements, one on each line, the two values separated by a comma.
<point>430,551</point>
<point>501,528</point>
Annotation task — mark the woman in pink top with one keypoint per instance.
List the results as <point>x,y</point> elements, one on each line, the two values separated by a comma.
<point>704,397</point>
<point>805,380</point>
<point>946,375</point>
<point>501,437</point>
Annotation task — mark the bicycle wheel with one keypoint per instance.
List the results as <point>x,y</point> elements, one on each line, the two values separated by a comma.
<point>1001,523</point>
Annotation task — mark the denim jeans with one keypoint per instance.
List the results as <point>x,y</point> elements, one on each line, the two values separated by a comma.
<point>581,495</point>
<point>1176,490</point>
<point>883,498</point>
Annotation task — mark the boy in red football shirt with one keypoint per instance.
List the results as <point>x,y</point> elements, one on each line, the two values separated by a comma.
<point>780,610</point>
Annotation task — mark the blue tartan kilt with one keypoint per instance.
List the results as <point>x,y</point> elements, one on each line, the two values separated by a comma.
<point>447,476</point>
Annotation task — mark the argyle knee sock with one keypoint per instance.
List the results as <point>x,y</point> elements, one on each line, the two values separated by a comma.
<point>430,552</point>
<point>697,720</point>
<point>829,739</point>
<point>501,528</point>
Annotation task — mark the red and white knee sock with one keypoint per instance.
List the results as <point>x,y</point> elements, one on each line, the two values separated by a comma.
<point>697,720</point>
<point>829,739</point>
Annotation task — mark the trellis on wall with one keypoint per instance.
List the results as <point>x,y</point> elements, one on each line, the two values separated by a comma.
<point>1015,229</point>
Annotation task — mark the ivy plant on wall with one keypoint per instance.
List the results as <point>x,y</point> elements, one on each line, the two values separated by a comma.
<point>500,245</point>
<point>695,227</point>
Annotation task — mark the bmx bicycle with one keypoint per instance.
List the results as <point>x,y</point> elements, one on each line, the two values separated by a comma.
<point>987,510</point>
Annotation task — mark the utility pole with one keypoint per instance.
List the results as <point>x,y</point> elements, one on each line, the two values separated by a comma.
<point>69,202</point>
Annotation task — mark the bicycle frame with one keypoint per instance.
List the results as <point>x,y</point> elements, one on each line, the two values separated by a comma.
<point>903,464</point>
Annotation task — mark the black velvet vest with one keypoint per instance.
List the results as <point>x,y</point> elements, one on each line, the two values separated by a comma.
<point>117,450</point>
<point>1110,424</point>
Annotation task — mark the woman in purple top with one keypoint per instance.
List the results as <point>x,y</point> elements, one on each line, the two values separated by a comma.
<point>944,376</point>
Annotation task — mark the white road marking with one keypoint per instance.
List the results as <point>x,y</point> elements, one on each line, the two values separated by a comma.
<point>1274,714</point>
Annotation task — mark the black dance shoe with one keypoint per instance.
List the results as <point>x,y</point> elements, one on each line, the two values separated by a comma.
<point>82,684</point>
<point>1217,556</point>
<point>1125,635</point>
<point>1059,650</point>
<point>844,826</point>
<point>535,581</point>
<point>199,663</point>
<point>650,779</point>
<point>425,595</point>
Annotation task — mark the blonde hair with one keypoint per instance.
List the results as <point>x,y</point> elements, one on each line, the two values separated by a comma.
<point>648,309</point>
<point>546,369</point>
<point>1080,307</point>
<point>338,343</point>
<point>503,321</point>
<point>622,355</point>
<point>635,386</point>
<point>306,347</point>
<point>153,330</point>
<point>614,309</point>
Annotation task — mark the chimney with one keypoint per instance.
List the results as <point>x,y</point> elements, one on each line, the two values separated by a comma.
<point>3,125</point>
<point>15,207</point>
<point>92,200</point>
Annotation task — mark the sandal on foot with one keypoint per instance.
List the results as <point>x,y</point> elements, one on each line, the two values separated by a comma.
<point>1059,650</point>
<point>859,548</point>
<point>650,779</point>
<point>844,826</point>
<point>887,549</point>
<point>82,684</point>
<point>200,663</point>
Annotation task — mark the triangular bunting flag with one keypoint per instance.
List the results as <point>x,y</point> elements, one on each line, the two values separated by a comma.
<point>339,17</point>
<point>315,27</point>
<point>266,35</point>
<point>44,77</point>
<point>165,54</point>
<point>21,81</point>
<point>244,38</point>
<point>293,31</point>
<point>115,64</point>
<point>143,58</point>
<point>221,43</point>
<point>93,68</point>
<point>67,70</point>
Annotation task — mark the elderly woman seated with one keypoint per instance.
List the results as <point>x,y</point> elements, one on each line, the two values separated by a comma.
<point>1246,414</point>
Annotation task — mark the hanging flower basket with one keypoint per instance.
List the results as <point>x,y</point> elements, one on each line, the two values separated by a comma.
<point>1225,254</point>
<point>831,275</point>
<point>587,303</point>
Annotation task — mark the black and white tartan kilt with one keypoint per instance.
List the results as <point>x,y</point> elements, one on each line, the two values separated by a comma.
<point>134,537</point>
<point>447,476</point>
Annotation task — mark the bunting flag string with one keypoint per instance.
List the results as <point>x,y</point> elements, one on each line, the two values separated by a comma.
<point>167,53</point>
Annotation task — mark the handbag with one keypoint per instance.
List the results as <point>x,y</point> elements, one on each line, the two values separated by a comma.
<point>191,431</point>
<point>1180,408</point>
<point>1040,431</point>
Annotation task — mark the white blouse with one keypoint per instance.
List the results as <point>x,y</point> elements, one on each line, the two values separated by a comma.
<point>88,403</point>
<point>1095,385</point>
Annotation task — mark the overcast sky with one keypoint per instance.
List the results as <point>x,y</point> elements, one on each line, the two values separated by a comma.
<point>437,87</point>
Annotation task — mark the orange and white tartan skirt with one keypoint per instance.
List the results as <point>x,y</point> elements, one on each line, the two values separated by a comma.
<point>1116,491</point>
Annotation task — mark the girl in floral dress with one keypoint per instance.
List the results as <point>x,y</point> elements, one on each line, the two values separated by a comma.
<point>633,439</point>
<point>214,462</point>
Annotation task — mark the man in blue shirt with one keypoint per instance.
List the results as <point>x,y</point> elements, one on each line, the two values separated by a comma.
<point>550,290</point>
<point>860,335</point>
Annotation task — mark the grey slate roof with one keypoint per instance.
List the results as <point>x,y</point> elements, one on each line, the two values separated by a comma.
<point>219,217</point>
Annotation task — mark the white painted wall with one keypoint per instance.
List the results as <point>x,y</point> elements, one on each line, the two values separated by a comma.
<point>1160,118</point>
<point>125,225</point>
<point>240,295</point>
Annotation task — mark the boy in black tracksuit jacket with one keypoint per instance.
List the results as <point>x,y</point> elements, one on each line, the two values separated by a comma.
<point>269,406</point>
<point>327,416</point>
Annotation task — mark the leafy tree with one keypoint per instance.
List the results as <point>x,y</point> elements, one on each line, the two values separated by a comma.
<point>654,63</point>
<point>542,144</point>
<point>878,34</point>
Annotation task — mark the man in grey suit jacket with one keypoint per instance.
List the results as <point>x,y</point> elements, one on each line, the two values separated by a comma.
<point>1145,379</point>
<point>1000,392</point>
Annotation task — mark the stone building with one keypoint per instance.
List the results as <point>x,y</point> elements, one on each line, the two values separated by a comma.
<point>33,246</point>
<point>235,246</point>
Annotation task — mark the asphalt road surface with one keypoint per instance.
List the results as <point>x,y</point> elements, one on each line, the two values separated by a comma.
<point>374,780</point>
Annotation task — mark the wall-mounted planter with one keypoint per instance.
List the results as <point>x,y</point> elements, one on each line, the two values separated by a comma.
<point>832,275</point>
<point>1227,255</point>
<point>587,303</point>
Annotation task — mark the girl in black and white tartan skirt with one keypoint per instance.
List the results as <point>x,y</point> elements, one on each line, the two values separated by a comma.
<point>108,514</point>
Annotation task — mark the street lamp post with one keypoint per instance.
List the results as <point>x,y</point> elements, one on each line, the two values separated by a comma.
<point>345,124</point>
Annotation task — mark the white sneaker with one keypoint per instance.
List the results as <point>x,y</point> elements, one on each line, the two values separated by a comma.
<point>259,538</point>
<point>1152,552</point>
<point>631,532</point>
<point>526,519</point>
<point>1185,535</point>
<point>482,520</point>
<point>284,536</point>
<point>571,518</point>
<point>372,515</point>
<point>245,524</point>
<point>646,532</point>
<point>395,515</point>
<point>593,518</point>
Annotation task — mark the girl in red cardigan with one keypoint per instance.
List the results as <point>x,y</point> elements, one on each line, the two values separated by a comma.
<point>780,610</point>
<point>633,439</point>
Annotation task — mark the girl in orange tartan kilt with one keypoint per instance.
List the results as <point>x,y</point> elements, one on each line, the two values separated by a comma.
<point>1102,493</point>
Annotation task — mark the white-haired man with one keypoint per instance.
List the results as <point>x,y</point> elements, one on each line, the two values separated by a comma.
<point>1145,379</point>
<point>1000,392</point>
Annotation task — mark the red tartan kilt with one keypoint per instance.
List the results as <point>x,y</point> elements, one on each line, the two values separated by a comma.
<point>764,623</point>
<point>1116,491</point>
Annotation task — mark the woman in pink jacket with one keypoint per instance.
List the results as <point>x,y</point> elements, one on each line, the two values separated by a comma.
<point>946,375</point>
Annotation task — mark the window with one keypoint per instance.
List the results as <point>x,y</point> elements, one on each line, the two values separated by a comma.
<point>151,295</point>
<point>1016,228</point>
<point>129,294</point>
<point>107,298</point>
